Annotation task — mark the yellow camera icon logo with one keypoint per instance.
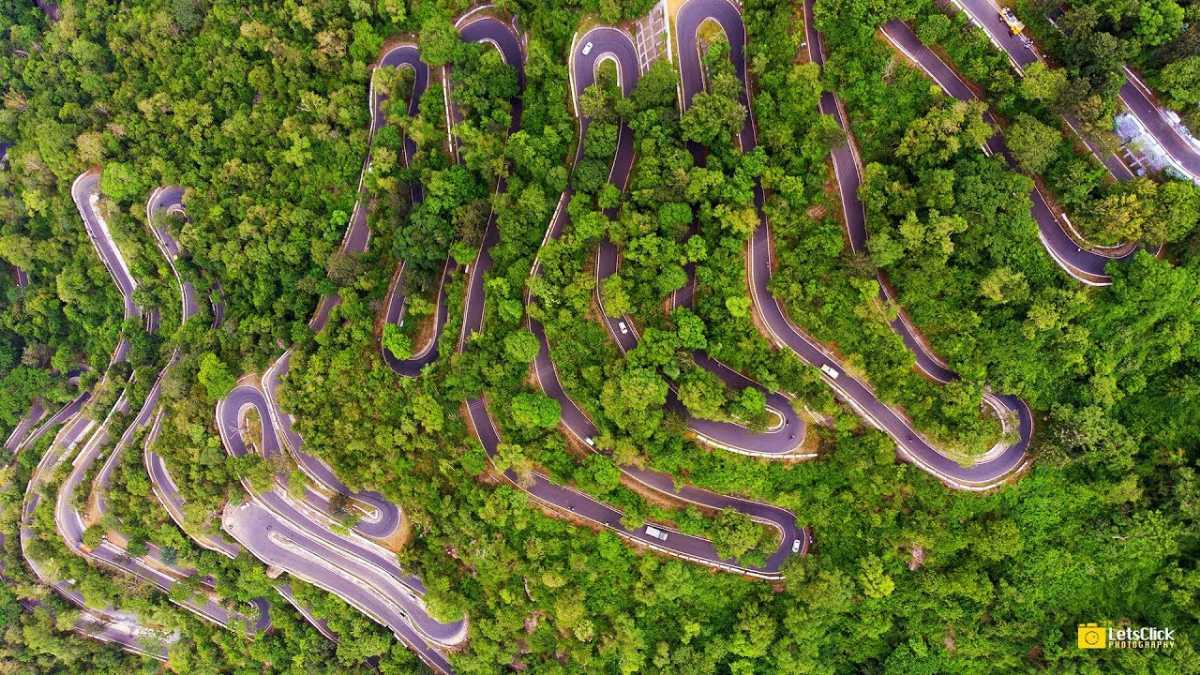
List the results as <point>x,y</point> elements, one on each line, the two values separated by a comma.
<point>1092,636</point>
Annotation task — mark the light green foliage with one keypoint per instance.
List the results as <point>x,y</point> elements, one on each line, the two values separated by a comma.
<point>1033,143</point>
<point>214,376</point>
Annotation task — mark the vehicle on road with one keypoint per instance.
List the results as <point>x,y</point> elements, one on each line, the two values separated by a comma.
<point>587,49</point>
<point>795,546</point>
<point>830,371</point>
<point>656,533</point>
<point>623,327</point>
<point>1014,24</point>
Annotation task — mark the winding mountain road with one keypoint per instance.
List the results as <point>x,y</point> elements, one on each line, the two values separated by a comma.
<point>783,439</point>
<point>847,169</point>
<point>358,231</point>
<point>85,192</point>
<point>297,535</point>
<point>169,200</point>
<point>614,44</point>
<point>151,567</point>
<point>21,431</point>
<point>982,475</point>
<point>1134,94</point>
<point>110,624</point>
<point>379,517</point>
<point>495,32</point>
<point>350,566</point>
<point>1083,264</point>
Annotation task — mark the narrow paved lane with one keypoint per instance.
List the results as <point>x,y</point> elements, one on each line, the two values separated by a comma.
<point>169,200</point>
<point>278,543</point>
<point>355,556</point>
<point>611,43</point>
<point>21,431</point>
<point>152,567</point>
<point>979,476</point>
<point>123,628</point>
<point>847,170</point>
<point>785,437</point>
<point>495,32</point>
<point>358,232</point>
<point>85,192</point>
<point>301,538</point>
<point>1134,95</point>
<point>1083,264</point>
<point>379,517</point>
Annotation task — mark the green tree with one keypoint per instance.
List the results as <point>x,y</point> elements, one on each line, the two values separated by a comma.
<point>521,346</point>
<point>876,584</point>
<point>396,342</point>
<point>1180,81</point>
<point>1044,84</point>
<point>1033,143</point>
<point>215,377</point>
<point>535,410</point>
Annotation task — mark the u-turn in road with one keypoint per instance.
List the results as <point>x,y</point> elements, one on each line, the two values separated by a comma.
<point>981,475</point>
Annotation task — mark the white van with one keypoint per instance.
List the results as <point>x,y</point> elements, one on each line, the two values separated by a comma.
<point>656,533</point>
<point>830,371</point>
<point>795,546</point>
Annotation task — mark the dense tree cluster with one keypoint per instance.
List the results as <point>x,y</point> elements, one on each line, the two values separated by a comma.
<point>260,111</point>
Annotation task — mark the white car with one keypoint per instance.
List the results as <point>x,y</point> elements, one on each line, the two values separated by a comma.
<point>591,441</point>
<point>830,371</point>
<point>623,327</point>
<point>795,546</point>
<point>656,533</point>
<point>587,49</point>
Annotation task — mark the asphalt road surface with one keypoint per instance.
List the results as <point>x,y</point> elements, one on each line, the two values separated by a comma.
<point>785,437</point>
<point>379,518</point>
<point>300,538</point>
<point>356,555</point>
<point>1134,95</point>
<point>85,192</point>
<point>782,440</point>
<point>20,432</point>
<point>1083,264</point>
<point>495,32</point>
<point>152,567</point>
<point>110,624</point>
<point>611,43</point>
<point>280,544</point>
<point>169,200</point>
<point>847,170</point>
<point>394,304</point>
<point>358,233</point>
<point>912,446</point>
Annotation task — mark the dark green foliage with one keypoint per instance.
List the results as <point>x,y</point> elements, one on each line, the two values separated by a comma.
<point>259,110</point>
